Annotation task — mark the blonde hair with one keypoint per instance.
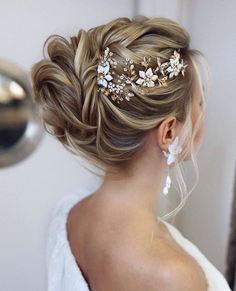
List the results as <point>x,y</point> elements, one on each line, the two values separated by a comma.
<point>95,127</point>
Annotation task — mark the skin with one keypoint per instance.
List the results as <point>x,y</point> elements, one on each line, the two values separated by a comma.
<point>119,209</point>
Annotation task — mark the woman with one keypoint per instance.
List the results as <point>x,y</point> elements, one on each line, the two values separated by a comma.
<point>127,96</point>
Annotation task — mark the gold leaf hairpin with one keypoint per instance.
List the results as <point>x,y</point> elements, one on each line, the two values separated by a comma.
<point>117,86</point>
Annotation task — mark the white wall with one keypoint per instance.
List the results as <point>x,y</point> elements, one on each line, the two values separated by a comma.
<point>30,189</point>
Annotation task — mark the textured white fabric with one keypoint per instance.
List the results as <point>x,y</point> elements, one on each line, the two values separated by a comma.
<point>65,275</point>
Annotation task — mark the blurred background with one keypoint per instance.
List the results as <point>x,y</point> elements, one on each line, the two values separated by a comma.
<point>29,186</point>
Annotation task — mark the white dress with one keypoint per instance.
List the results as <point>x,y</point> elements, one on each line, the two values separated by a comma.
<point>63,273</point>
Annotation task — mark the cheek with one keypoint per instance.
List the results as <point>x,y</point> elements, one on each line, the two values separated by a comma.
<point>199,136</point>
<point>197,141</point>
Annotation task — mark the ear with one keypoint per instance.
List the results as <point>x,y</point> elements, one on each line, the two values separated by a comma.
<point>166,132</point>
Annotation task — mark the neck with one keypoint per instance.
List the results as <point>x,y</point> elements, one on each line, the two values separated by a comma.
<point>138,187</point>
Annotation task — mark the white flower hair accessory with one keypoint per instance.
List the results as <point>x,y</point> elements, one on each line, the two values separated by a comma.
<point>118,86</point>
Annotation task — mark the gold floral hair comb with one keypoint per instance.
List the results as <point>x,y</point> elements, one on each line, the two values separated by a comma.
<point>115,86</point>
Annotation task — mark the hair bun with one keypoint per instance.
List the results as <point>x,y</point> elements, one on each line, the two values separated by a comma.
<point>90,124</point>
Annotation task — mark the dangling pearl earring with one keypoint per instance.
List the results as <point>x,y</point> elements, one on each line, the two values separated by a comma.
<point>167,186</point>
<point>174,150</point>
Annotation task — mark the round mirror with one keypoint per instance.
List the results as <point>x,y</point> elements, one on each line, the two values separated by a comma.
<point>20,127</point>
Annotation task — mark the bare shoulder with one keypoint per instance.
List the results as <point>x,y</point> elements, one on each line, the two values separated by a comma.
<point>180,274</point>
<point>139,271</point>
<point>141,263</point>
<point>122,248</point>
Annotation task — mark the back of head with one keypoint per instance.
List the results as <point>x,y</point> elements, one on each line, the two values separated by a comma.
<point>90,123</point>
